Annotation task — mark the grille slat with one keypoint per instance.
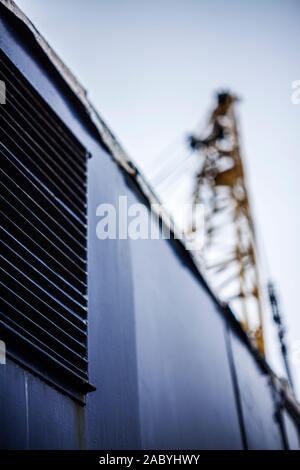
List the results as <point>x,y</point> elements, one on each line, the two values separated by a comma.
<point>61,363</point>
<point>41,252</point>
<point>44,290</point>
<point>44,156</point>
<point>26,324</point>
<point>10,189</point>
<point>26,179</point>
<point>8,296</point>
<point>11,139</point>
<point>43,233</point>
<point>29,226</point>
<point>36,263</point>
<point>48,142</point>
<point>43,113</point>
<point>41,302</point>
<point>30,210</point>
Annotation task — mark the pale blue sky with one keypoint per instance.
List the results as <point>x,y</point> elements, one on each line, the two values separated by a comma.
<point>151,68</point>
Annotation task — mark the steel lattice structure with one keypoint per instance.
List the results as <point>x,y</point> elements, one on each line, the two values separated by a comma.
<point>229,253</point>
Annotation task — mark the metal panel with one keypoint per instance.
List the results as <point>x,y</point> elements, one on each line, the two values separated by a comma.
<point>112,411</point>
<point>54,421</point>
<point>13,407</point>
<point>185,387</point>
<point>291,430</point>
<point>257,400</point>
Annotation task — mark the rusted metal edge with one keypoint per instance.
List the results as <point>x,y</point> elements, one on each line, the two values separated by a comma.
<point>119,155</point>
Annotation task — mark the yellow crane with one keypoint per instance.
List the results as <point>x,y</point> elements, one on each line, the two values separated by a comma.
<point>229,253</point>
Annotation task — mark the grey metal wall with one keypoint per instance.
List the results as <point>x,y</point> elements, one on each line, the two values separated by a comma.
<point>185,385</point>
<point>292,432</point>
<point>257,400</point>
<point>170,369</point>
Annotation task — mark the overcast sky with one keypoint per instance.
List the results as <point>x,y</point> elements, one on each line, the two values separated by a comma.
<point>151,69</point>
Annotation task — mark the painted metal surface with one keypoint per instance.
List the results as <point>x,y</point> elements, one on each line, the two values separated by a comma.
<point>169,368</point>
<point>257,399</point>
<point>181,345</point>
<point>292,433</point>
<point>13,407</point>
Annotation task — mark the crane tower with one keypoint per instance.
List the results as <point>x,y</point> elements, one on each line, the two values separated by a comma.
<point>229,253</point>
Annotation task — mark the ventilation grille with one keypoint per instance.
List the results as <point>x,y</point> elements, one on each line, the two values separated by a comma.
<point>43,234</point>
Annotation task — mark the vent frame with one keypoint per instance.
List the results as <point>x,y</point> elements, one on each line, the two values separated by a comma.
<point>43,238</point>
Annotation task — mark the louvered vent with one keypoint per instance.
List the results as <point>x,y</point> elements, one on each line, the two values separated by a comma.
<point>43,238</point>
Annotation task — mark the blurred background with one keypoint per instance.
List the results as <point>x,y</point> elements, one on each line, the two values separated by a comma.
<point>151,69</point>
